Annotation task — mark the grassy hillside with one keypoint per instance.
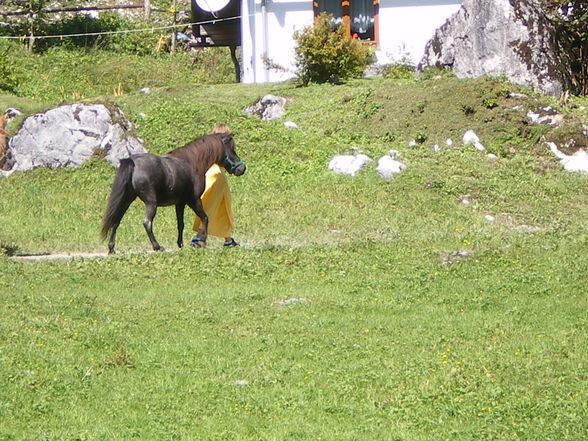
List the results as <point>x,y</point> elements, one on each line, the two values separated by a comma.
<point>355,309</point>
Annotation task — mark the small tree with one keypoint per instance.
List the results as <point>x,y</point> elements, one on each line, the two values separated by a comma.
<point>571,20</point>
<point>324,53</point>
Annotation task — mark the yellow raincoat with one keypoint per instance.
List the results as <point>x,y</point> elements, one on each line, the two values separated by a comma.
<point>216,201</point>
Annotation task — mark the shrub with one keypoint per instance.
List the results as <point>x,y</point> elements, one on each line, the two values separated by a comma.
<point>325,53</point>
<point>432,73</point>
<point>8,72</point>
<point>399,71</point>
<point>571,20</point>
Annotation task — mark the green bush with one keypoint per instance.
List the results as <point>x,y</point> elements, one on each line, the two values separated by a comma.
<point>325,53</point>
<point>8,72</point>
<point>429,73</point>
<point>399,71</point>
<point>571,20</point>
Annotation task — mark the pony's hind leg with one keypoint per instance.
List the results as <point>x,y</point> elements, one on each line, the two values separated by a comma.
<point>150,210</point>
<point>180,221</point>
<point>111,239</point>
<point>116,216</point>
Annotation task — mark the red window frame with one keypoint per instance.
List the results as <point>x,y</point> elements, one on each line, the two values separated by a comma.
<point>346,19</point>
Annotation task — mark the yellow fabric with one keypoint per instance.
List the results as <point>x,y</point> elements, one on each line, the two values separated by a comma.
<point>216,201</point>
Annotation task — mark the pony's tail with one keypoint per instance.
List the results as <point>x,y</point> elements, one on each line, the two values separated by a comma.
<point>121,196</point>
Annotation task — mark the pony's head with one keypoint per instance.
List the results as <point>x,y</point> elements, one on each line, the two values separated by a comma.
<point>230,161</point>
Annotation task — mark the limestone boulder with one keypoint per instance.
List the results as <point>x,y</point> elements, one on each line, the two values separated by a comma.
<point>268,108</point>
<point>511,38</point>
<point>69,135</point>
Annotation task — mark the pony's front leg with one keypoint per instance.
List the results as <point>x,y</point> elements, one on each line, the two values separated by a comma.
<point>202,232</point>
<point>180,221</point>
<point>150,210</point>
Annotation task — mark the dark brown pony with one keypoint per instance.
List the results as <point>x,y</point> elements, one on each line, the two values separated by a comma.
<point>177,178</point>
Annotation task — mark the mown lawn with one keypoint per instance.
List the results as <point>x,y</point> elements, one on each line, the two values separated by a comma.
<point>355,309</point>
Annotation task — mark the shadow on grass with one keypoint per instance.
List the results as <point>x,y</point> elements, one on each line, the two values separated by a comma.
<point>9,250</point>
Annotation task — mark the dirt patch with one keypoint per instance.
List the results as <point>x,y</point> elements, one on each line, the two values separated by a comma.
<point>58,256</point>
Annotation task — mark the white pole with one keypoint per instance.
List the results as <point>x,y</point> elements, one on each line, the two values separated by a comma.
<point>265,47</point>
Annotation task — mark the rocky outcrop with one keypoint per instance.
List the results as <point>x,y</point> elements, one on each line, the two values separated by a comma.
<point>268,107</point>
<point>511,38</point>
<point>70,135</point>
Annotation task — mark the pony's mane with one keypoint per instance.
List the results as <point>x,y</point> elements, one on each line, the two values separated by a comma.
<point>207,149</point>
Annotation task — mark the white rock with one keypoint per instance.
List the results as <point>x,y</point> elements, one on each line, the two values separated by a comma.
<point>470,138</point>
<point>348,164</point>
<point>448,142</point>
<point>269,107</point>
<point>553,147</point>
<point>291,125</point>
<point>388,166</point>
<point>69,135</point>
<point>549,117</point>
<point>578,162</point>
<point>490,218</point>
<point>533,117</point>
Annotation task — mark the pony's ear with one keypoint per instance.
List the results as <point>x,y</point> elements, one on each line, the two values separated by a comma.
<point>226,137</point>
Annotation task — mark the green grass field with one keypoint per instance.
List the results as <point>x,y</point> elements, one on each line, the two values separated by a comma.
<point>355,309</point>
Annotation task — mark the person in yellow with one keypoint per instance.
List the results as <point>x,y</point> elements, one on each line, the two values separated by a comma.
<point>216,201</point>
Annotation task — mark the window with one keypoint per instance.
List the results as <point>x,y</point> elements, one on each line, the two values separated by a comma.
<point>360,17</point>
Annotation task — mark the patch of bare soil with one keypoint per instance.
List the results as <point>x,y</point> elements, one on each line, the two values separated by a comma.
<point>58,256</point>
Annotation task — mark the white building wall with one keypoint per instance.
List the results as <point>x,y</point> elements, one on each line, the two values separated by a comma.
<point>271,33</point>
<point>405,27</point>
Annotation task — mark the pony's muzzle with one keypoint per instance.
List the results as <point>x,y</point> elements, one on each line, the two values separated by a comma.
<point>239,170</point>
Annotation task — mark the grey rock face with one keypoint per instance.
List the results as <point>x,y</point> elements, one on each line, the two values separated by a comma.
<point>70,135</point>
<point>501,37</point>
<point>268,108</point>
